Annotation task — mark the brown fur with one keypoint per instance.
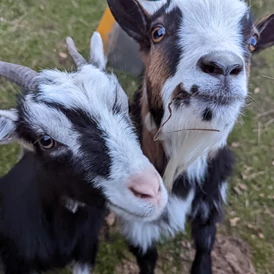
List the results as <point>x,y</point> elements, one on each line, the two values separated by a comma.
<point>152,149</point>
<point>157,73</point>
<point>160,63</point>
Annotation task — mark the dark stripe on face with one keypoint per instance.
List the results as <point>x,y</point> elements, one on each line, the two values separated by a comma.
<point>163,59</point>
<point>181,97</point>
<point>170,45</point>
<point>92,140</point>
<point>155,106</point>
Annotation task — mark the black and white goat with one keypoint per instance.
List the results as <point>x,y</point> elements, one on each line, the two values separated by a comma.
<point>82,154</point>
<point>197,56</point>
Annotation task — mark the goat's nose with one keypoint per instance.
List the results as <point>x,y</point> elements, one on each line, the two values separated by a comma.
<point>145,185</point>
<point>221,63</point>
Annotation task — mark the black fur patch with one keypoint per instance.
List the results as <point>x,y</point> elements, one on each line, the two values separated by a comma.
<point>181,97</point>
<point>207,209</point>
<point>136,113</point>
<point>37,233</point>
<point>92,137</point>
<point>194,89</point>
<point>207,115</point>
<point>156,108</point>
<point>146,261</point>
<point>181,187</point>
<point>219,169</point>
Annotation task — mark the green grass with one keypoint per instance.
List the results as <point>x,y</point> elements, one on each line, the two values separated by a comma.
<point>33,33</point>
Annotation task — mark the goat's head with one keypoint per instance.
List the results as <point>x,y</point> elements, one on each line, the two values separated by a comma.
<point>79,122</point>
<point>197,55</point>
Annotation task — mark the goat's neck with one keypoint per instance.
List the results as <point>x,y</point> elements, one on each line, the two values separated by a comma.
<point>50,186</point>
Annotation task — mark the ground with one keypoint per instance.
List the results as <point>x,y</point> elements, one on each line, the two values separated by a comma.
<point>33,33</point>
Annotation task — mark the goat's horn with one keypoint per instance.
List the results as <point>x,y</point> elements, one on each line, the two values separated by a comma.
<point>78,59</point>
<point>20,75</point>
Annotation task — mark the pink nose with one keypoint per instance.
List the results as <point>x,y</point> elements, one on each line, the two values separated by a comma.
<point>145,185</point>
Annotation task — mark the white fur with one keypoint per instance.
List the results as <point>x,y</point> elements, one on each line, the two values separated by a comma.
<point>144,234</point>
<point>224,191</point>
<point>7,126</point>
<point>197,170</point>
<point>96,53</point>
<point>152,6</point>
<point>80,268</point>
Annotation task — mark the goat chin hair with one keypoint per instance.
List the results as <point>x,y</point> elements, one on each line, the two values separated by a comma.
<point>187,146</point>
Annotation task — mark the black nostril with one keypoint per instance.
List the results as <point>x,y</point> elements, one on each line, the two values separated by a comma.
<point>221,63</point>
<point>211,68</point>
<point>234,70</point>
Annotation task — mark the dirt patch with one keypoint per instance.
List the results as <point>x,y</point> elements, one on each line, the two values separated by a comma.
<point>127,268</point>
<point>230,256</point>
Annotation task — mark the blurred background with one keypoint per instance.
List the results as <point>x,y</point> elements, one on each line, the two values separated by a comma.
<point>33,32</point>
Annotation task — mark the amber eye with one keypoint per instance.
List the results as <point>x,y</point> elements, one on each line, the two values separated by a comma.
<point>158,33</point>
<point>47,142</point>
<point>252,43</point>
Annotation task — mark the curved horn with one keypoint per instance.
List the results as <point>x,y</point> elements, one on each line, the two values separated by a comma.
<point>20,75</point>
<point>78,59</point>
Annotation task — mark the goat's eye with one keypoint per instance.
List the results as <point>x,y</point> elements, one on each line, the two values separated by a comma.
<point>47,142</point>
<point>252,43</point>
<point>158,33</point>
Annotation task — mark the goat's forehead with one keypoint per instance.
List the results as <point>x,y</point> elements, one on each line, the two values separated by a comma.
<point>87,89</point>
<point>209,5</point>
<point>67,101</point>
<point>207,13</point>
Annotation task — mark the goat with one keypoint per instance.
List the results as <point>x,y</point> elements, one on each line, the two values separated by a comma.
<point>196,58</point>
<point>82,155</point>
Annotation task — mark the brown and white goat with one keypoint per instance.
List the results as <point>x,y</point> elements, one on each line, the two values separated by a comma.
<point>197,56</point>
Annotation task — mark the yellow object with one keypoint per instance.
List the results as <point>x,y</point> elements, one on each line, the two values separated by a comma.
<point>105,27</point>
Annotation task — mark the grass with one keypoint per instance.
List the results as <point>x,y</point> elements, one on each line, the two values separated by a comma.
<point>33,33</point>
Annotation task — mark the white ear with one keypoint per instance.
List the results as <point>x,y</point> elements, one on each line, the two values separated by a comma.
<point>97,55</point>
<point>152,6</point>
<point>7,125</point>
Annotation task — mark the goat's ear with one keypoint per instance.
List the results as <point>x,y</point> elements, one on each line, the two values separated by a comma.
<point>97,56</point>
<point>266,29</point>
<point>8,120</point>
<point>132,18</point>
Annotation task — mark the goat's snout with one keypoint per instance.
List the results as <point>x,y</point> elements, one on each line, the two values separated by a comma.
<point>146,185</point>
<point>220,63</point>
